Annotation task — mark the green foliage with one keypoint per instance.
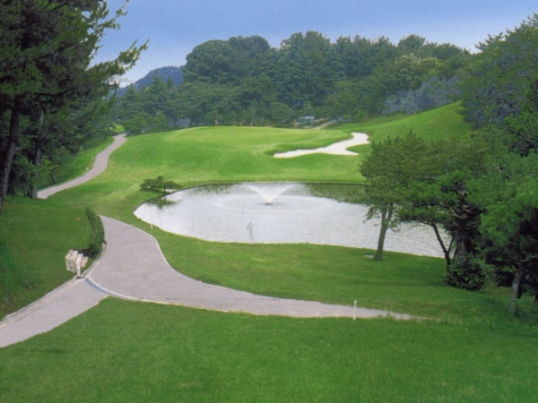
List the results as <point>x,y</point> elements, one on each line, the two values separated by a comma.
<point>432,93</point>
<point>138,124</point>
<point>48,77</point>
<point>243,81</point>
<point>159,184</point>
<point>509,225</point>
<point>498,79</point>
<point>97,235</point>
<point>523,128</point>
<point>430,183</point>
<point>467,273</point>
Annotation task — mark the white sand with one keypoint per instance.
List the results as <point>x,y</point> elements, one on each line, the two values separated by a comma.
<point>339,148</point>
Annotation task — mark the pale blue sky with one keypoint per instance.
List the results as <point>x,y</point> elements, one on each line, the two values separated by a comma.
<point>175,27</point>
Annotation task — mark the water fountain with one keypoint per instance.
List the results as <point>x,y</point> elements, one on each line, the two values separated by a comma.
<point>269,191</point>
<point>277,213</point>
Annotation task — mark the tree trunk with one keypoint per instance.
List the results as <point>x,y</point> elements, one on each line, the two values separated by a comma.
<point>37,163</point>
<point>9,154</point>
<point>446,251</point>
<point>461,247</point>
<point>516,288</point>
<point>38,156</point>
<point>386,216</point>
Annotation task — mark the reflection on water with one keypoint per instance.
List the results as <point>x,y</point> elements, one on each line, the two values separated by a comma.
<point>278,213</point>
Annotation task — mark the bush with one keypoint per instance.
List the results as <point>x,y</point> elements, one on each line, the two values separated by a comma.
<point>97,236</point>
<point>466,273</point>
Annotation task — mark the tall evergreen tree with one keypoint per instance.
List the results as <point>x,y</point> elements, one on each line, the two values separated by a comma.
<point>45,54</point>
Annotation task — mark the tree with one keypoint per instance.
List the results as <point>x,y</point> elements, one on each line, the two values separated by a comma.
<point>444,199</point>
<point>411,44</point>
<point>306,73</point>
<point>45,53</point>
<point>227,62</point>
<point>510,224</point>
<point>523,128</point>
<point>159,184</point>
<point>409,179</point>
<point>499,76</point>
<point>389,171</point>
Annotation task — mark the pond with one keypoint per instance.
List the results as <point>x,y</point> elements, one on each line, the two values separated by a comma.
<point>278,213</point>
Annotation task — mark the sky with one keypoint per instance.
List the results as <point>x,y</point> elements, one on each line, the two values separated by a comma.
<point>175,27</point>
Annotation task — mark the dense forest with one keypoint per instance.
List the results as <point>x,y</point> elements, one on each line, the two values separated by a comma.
<point>243,81</point>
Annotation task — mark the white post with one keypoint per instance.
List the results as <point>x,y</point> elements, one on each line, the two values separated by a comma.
<point>355,310</point>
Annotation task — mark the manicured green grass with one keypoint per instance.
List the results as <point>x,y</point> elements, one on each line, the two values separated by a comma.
<point>210,155</point>
<point>400,283</point>
<point>135,352</point>
<point>432,124</point>
<point>470,351</point>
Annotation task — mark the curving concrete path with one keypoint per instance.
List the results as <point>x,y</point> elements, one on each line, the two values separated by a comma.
<point>133,268</point>
<point>99,166</point>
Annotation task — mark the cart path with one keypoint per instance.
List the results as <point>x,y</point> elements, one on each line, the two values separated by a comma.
<point>133,267</point>
<point>99,166</point>
<point>57,307</point>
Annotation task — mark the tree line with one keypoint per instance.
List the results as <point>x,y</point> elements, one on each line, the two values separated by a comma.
<point>482,192</point>
<point>244,81</point>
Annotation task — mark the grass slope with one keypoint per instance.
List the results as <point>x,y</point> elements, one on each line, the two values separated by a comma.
<point>34,239</point>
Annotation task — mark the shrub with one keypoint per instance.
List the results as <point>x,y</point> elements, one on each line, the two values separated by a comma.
<point>97,236</point>
<point>466,273</point>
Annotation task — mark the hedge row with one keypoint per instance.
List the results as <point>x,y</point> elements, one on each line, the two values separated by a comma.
<point>97,236</point>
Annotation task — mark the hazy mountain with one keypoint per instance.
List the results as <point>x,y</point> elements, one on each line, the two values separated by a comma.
<point>169,72</point>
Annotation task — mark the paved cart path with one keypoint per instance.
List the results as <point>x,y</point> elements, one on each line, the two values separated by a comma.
<point>99,166</point>
<point>133,268</point>
<point>57,307</point>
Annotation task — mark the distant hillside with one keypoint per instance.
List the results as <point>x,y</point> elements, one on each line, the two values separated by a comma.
<point>169,72</point>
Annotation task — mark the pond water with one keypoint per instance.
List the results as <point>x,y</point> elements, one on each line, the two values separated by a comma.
<point>278,213</point>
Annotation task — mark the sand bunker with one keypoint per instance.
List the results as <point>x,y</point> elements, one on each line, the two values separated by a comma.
<point>339,148</point>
